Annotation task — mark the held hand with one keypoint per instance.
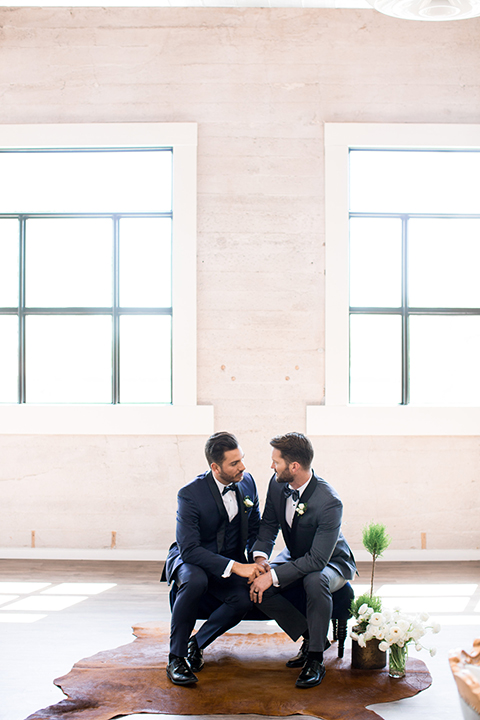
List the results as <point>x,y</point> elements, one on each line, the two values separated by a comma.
<point>247,570</point>
<point>259,585</point>
<point>262,561</point>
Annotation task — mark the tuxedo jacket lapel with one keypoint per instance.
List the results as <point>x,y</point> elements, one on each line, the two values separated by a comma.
<point>306,495</point>
<point>221,508</point>
<point>286,530</point>
<point>243,515</point>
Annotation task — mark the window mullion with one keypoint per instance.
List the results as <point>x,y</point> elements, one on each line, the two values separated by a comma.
<point>116,318</point>
<point>405,342</point>
<point>21,311</point>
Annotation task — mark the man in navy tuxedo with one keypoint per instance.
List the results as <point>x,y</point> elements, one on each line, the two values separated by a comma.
<point>316,556</point>
<point>217,523</point>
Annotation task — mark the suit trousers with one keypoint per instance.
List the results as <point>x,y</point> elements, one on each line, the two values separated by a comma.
<point>318,587</point>
<point>193,582</point>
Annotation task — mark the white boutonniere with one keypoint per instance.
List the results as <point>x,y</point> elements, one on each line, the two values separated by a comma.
<point>247,502</point>
<point>301,508</point>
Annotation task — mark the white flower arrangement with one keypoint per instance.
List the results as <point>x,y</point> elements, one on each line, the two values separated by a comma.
<point>247,502</point>
<point>301,508</point>
<point>392,627</point>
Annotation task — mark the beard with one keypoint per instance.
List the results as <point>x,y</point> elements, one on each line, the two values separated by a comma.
<point>284,477</point>
<point>227,479</point>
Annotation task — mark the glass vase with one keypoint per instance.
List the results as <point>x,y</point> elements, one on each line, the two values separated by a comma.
<point>397,660</point>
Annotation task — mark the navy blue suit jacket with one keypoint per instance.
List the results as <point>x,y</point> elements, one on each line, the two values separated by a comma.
<point>201,523</point>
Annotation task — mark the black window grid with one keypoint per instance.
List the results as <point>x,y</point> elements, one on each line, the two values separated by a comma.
<point>115,311</point>
<point>404,310</point>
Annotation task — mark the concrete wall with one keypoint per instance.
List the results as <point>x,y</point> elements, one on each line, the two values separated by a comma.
<point>260,84</point>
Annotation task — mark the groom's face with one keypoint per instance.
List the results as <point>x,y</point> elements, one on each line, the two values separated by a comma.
<point>232,467</point>
<point>282,473</point>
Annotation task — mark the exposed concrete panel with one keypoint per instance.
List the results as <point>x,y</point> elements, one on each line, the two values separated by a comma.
<point>260,84</point>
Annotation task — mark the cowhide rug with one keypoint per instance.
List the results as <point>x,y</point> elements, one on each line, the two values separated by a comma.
<point>243,673</point>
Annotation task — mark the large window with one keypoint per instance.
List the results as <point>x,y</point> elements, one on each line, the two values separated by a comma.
<point>414,255</point>
<point>85,259</point>
<point>402,305</point>
<point>97,279</point>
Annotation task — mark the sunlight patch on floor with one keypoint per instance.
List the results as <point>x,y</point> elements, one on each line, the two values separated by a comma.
<point>20,618</point>
<point>7,598</point>
<point>37,602</point>
<point>72,588</point>
<point>456,619</point>
<point>22,588</point>
<point>426,604</point>
<point>426,590</point>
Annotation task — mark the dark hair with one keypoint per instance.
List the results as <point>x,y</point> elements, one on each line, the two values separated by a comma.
<point>294,447</point>
<point>216,446</point>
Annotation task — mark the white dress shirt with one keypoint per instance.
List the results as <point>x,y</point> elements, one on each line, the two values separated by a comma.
<point>231,506</point>
<point>290,507</point>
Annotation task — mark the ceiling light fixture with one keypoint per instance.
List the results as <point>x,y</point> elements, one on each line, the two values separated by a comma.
<point>428,9</point>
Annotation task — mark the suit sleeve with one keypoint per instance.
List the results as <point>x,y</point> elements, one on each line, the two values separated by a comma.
<point>269,527</point>
<point>329,521</point>
<point>189,537</point>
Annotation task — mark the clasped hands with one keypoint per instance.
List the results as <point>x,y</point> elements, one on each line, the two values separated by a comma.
<point>258,574</point>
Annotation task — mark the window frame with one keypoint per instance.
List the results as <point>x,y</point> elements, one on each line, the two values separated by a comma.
<point>183,416</point>
<point>337,416</point>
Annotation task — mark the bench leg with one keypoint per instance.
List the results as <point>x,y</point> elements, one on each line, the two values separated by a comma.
<point>341,636</point>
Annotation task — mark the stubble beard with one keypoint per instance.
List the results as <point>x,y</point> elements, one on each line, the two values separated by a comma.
<point>228,479</point>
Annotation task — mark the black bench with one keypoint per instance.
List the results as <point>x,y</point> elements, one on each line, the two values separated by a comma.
<point>340,613</point>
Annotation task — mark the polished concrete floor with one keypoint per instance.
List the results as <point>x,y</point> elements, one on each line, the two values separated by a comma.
<point>53,613</point>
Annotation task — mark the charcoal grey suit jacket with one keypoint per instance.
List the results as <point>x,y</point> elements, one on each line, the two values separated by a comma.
<point>315,539</point>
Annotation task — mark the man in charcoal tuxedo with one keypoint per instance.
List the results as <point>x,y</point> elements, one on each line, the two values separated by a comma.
<point>317,556</point>
<point>217,523</point>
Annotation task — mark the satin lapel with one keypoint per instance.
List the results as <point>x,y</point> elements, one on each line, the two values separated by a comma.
<point>243,516</point>
<point>221,509</point>
<point>286,529</point>
<point>305,498</point>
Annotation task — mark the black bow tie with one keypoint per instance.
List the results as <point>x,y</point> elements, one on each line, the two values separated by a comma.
<point>229,487</point>
<point>288,491</point>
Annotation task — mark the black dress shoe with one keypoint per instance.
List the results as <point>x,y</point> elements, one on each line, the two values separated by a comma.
<point>312,674</point>
<point>301,658</point>
<point>194,655</point>
<point>179,672</point>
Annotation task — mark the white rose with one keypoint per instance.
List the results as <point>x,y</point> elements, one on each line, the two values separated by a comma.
<point>383,646</point>
<point>417,633</point>
<point>436,627</point>
<point>432,651</point>
<point>394,635</point>
<point>376,618</point>
<point>361,641</point>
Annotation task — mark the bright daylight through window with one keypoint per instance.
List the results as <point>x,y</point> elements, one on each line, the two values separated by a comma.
<point>414,255</point>
<point>86,275</point>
